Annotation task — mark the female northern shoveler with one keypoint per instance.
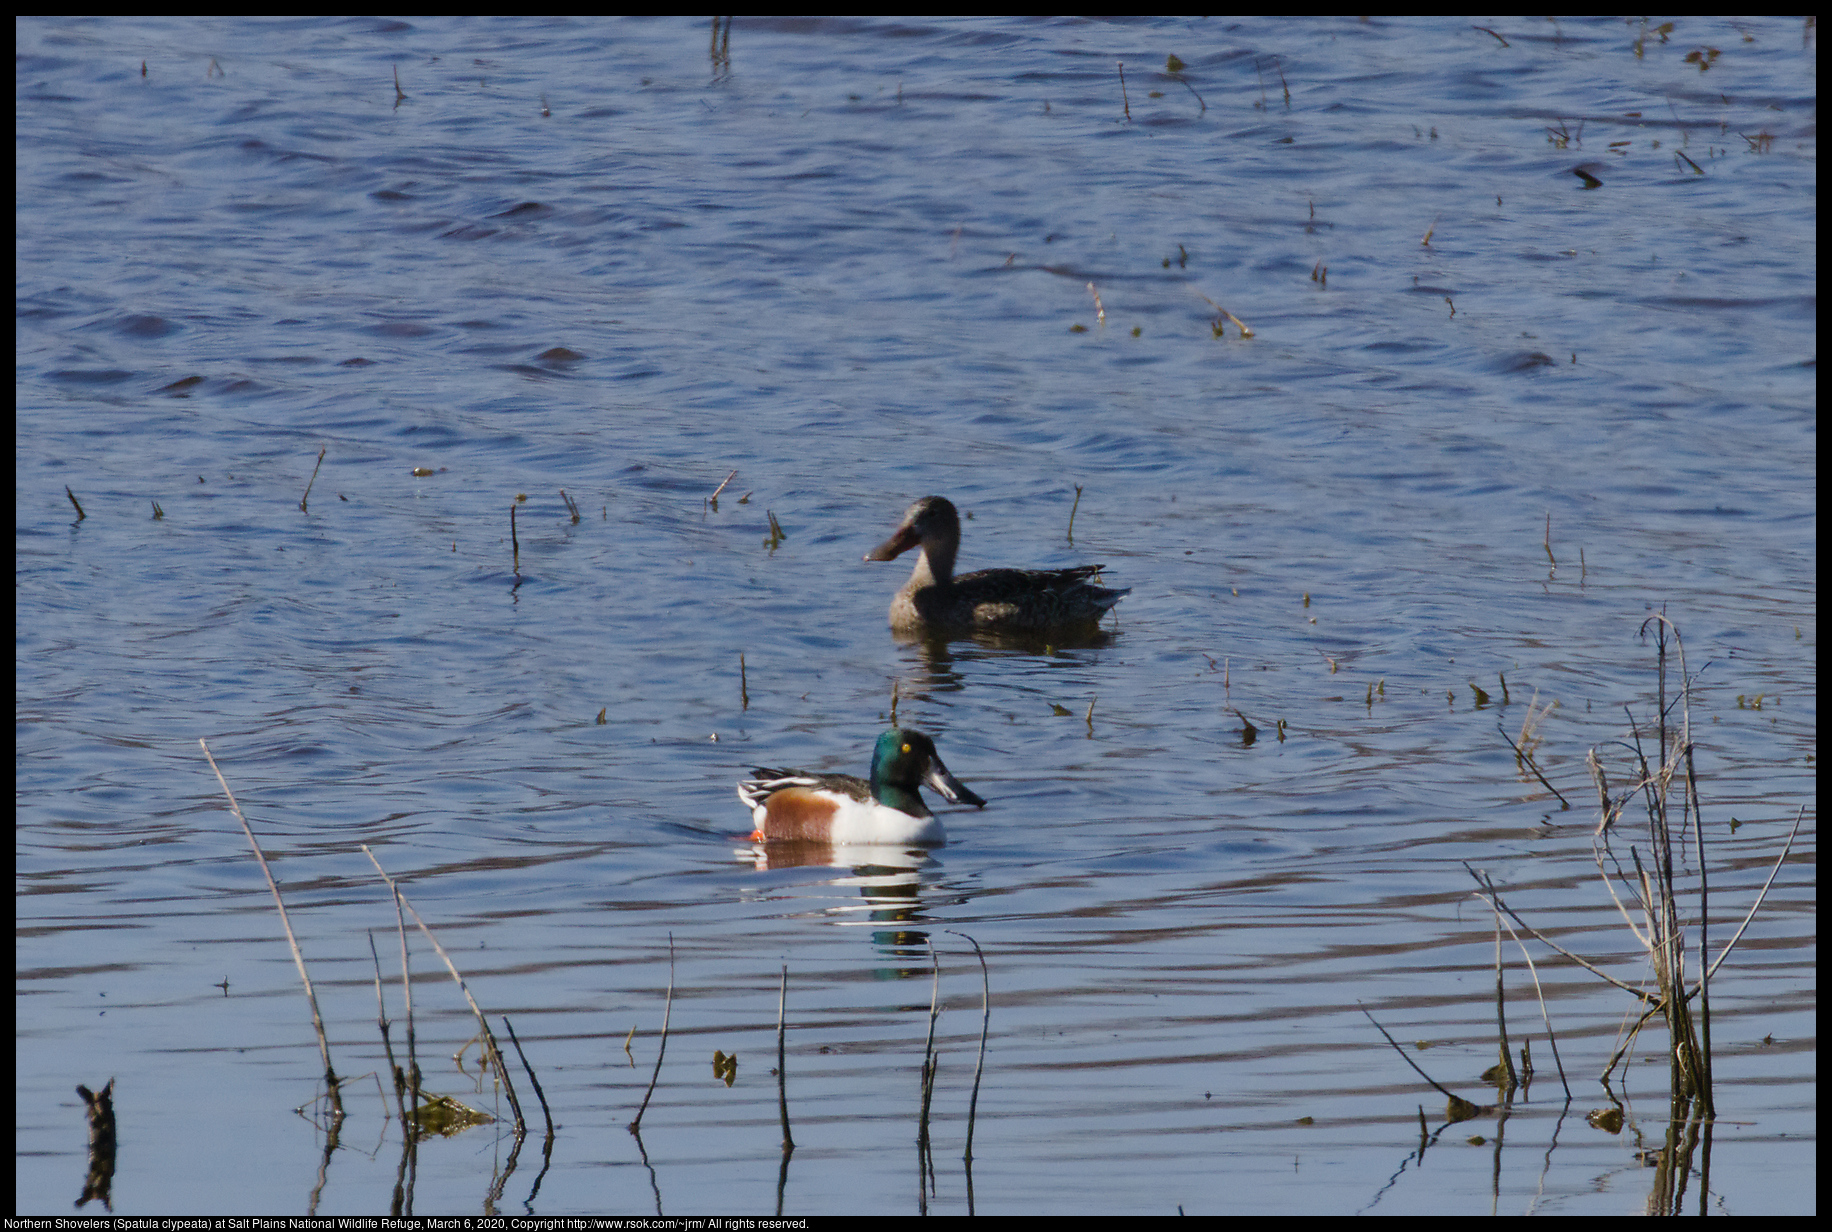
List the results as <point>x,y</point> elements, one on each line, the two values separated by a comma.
<point>1024,601</point>
<point>839,808</point>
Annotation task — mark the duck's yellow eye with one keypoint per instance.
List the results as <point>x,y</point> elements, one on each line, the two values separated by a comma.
<point>906,748</point>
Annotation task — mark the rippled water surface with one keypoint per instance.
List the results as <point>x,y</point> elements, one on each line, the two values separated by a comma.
<point>1492,415</point>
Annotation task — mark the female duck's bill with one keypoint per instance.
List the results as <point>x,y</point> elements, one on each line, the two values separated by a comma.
<point>801,806</point>
<point>1022,601</point>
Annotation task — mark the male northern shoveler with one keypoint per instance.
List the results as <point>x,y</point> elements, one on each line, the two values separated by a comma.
<point>840,808</point>
<point>1023,601</point>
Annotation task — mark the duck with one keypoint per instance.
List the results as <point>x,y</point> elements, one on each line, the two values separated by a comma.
<point>801,806</point>
<point>1011,601</point>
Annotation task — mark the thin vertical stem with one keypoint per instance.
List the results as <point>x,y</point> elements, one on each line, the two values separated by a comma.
<point>782,1069</point>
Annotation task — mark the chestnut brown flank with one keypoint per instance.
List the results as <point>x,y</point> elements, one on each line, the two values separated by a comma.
<point>796,814</point>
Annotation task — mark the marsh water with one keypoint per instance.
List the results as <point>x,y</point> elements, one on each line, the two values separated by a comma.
<point>1491,417</point>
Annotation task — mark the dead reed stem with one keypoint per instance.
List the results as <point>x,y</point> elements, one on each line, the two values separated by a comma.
<point>979,1067</point>
<point>397,1077</point>
<point>1780,860</point>
<point>1652,910</point>
<point>311,995</point>
<point>928,1057</point>
<point>1488,886</point>
<point>413,1051</point>
<point>532,1080</point>
<point>1526,759</point>
<point>495,1052</point>
<point>1459,1109</point>
<point>1501,1010</point>
<point>667,1012</point>
<point>782,1069</point>
<point>313,479</point>
<point>1239,324</point>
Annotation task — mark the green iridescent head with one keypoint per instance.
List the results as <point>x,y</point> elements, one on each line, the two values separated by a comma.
<point>902,762</point>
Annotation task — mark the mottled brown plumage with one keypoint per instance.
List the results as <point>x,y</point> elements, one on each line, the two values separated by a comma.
<point>1011,601</point>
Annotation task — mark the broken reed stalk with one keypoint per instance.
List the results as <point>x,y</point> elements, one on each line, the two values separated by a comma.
<point>1459,1109</point>
<point>494,1050</point>
<point>667,1011</point>
<point>396,1076</point>
<point>515,542</point>
<point>1072,509</point>
<point>1655,893</point>
<point>313,479</point>
<point>1691,803</point>
<point>1706,970</point>
<point>1526,759</point>
<point>80,515</point>
<point>928,1057</point>
<point>782,1069</point>
<point>1239,324</point>
<point>1774,872</point>
<point>979,1067</point>
<point>744,687</point>
<point>1489,892</point>
<point>1650,998</point>
<point>324,1045</point>
<point>532,1080</point>
<point>1123,98</point>
<point>413,1054</point>
<point>1661,934</point>
<point>1501,1010</point>
<point>1691,1059</point>
<point>714,498</point>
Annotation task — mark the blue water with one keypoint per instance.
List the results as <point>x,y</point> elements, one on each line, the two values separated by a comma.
<point>858,262</point>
